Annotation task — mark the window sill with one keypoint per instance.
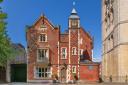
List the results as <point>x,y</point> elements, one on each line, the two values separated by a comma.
<point>43,41</point>
<point>48,78</point>
<point>74,54</point>
<point>73,72</point>
<point>63,58</point>
<point>42,61</point>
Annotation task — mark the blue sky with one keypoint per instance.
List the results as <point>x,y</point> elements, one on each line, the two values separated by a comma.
<point>26,12</point>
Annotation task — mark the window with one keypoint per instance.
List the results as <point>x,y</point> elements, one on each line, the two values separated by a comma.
<point>42,72</point>
<point>74,51</point>
<point>74,23</point>
<point>73,69</point>
<point>42,54</point>
<point>81,51</point>
<point>90,67</point>
<point>112,40</point>
<point>43,26</point>
<point>63,53</point>
<point>43,38</point>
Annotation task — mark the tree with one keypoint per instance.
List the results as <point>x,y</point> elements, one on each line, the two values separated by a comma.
<point>7,51</point>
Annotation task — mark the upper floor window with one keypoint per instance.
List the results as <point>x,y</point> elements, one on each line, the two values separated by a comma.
<point>73,69</point>
<point>42,72</point>
<point>63,53</point>
<point>74,51</point>
<point>42,54</point>
<point>43,26</point>
<point>43,38</point>
<point>81,51</point>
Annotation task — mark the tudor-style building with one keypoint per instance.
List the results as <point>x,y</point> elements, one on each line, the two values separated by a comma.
<point>62,56</point>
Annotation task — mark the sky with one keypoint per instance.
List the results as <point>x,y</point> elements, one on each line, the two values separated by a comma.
<point>26,12</point>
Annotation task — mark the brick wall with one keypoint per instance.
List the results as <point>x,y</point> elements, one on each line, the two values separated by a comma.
<point>89,73</point>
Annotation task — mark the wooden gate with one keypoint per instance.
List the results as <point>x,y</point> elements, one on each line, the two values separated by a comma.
<point>2,74</point>
<point>18,73</point>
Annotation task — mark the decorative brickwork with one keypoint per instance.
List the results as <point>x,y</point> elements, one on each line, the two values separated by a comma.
<point>60,59</point>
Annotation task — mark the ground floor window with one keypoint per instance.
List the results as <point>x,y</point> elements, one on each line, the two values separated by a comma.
<point>73,69</point>
<point>43,72</point>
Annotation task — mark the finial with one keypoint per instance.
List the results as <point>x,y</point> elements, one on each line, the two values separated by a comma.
<point>74,3</point>
<point>42,14</point>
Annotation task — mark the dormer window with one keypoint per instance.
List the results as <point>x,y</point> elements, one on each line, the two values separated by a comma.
<point>43,38</point>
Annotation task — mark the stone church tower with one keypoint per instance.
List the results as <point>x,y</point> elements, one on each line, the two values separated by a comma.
<point>115,40</point>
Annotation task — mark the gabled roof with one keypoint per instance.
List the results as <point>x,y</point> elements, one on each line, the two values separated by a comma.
<point>44,18</point>
<point>89,36</point>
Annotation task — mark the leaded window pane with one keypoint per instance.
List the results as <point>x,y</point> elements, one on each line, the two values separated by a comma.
<point>43,72</point>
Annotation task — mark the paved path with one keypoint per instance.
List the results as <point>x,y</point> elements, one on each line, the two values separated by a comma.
<point>64,84</point>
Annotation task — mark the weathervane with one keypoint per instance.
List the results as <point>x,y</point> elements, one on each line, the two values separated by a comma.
<point>74,3</point>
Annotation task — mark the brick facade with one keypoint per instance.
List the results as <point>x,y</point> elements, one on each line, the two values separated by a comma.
<point>67,54</point>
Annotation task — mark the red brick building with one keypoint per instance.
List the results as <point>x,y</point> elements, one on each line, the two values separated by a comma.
<point>61,56</point>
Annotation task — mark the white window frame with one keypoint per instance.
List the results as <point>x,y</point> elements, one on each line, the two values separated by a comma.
<point>74,52</point>
<point>42,59</point>
<point>42,39</point>
<point>81,51</point>
<point>73,69</point>
<point>65,53</point>
<point>37,73</point>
